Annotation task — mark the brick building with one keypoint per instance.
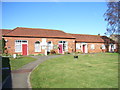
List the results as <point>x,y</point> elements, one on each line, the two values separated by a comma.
<point>94,43</point>
<point>27,41</point>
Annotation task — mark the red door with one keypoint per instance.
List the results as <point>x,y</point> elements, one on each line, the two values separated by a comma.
<point>83,48</point>
<point>60,48</point>
<point>24,49</point>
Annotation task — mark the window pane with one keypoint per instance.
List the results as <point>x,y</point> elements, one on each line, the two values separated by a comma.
<point>64,41</point>
<point>49,42</point>
<point>37,42</point>
<point>103,46</point>
<point>24,41</point>
<point>60,41</point>
<point>77,46</point>
<point>37,47</point>
<point>92,46</point>
<point>18,48</point>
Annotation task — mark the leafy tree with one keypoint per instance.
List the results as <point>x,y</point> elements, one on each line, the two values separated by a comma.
<point>112,17</point>
<point>3,45</point>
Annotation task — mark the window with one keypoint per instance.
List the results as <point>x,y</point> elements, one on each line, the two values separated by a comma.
<point>103,46</point>
<point>114,46</point>
<point>49,46</point>
<point>92,46</point>
<point>18,46</point>
<point>60,41</point>
<point>37,46</point>
<point>77,45</point>
<point>65,45</point>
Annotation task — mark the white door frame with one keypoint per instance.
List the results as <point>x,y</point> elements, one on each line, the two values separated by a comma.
<point>86,47</point>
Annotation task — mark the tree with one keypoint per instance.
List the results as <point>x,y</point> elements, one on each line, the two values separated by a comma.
<point>3,45</point>
<point>112,16</point>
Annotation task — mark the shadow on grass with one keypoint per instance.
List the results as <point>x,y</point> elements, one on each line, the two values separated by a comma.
<point>6,73</point>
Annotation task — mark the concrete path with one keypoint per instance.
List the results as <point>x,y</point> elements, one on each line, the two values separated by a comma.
<point>19,78</point>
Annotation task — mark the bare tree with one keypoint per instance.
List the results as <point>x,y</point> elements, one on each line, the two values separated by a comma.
<point>112,16</point>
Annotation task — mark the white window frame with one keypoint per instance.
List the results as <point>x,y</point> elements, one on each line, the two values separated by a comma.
<point>92,46</point>
<point>37,47</point>
<point>114,46</point>
<point>19,44</point>
<point>77,46</point>
<point>103,46</point>
<point>66,46</point>
<point>49,46</point>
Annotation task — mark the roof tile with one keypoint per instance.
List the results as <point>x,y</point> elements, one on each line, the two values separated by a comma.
<point>87,38</point>
<point>35,32</point>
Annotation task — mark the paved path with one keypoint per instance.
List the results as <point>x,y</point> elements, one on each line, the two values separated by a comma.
<point>19,78</point>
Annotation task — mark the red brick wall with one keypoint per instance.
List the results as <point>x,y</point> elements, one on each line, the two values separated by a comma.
<point>11,44</point>
<point>95,50</point>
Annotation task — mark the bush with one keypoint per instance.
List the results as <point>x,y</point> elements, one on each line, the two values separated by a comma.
<point>4,54</point>
<point>52,52</point>
<point>59,54</point>
<point>78,52</point>
<point>19,55</point>
<point>40,54</point>
<point>31,54</point>
<point>67,52</point>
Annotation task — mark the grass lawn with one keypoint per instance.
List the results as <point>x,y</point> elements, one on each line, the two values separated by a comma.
<point>20,61</point>
<point>14,64</point>
<point>89,71</point>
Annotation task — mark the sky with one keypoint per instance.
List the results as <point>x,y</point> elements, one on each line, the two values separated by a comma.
<point>70,17</point>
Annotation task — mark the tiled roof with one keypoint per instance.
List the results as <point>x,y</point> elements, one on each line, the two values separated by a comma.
<point>5,31</point>
<point>36,32</point>
<point>107,39</point>
<point>87,38</point>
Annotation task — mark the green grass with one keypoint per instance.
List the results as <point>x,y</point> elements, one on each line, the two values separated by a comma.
<point>19,62</point>
<point>89,71</point>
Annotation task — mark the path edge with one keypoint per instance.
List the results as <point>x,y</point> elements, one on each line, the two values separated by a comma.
<point>28,78</point>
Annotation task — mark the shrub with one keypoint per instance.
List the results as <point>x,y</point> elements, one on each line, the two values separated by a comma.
<point>78,52</point>
<point>19,55</point>
<point>40,54</point>
<point>4,54</point>
<point>52,52</point>
<point>31,54</point>
<point>67,52</point>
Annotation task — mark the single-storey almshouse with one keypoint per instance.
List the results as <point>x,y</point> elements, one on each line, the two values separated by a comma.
<point>27,41</point>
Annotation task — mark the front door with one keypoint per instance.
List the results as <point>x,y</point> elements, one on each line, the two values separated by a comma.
<point>60,48</point>
<point>24,49</point>
<point>83,48</point>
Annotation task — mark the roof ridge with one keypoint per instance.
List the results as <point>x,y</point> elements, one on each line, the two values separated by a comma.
<point>5,29</point>
<point>85,34</point>
<point>40,29</point>
<point>39,32</point>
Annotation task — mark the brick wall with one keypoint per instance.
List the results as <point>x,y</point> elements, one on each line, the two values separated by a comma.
<point>31,41</point>
<point>97,48</point>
